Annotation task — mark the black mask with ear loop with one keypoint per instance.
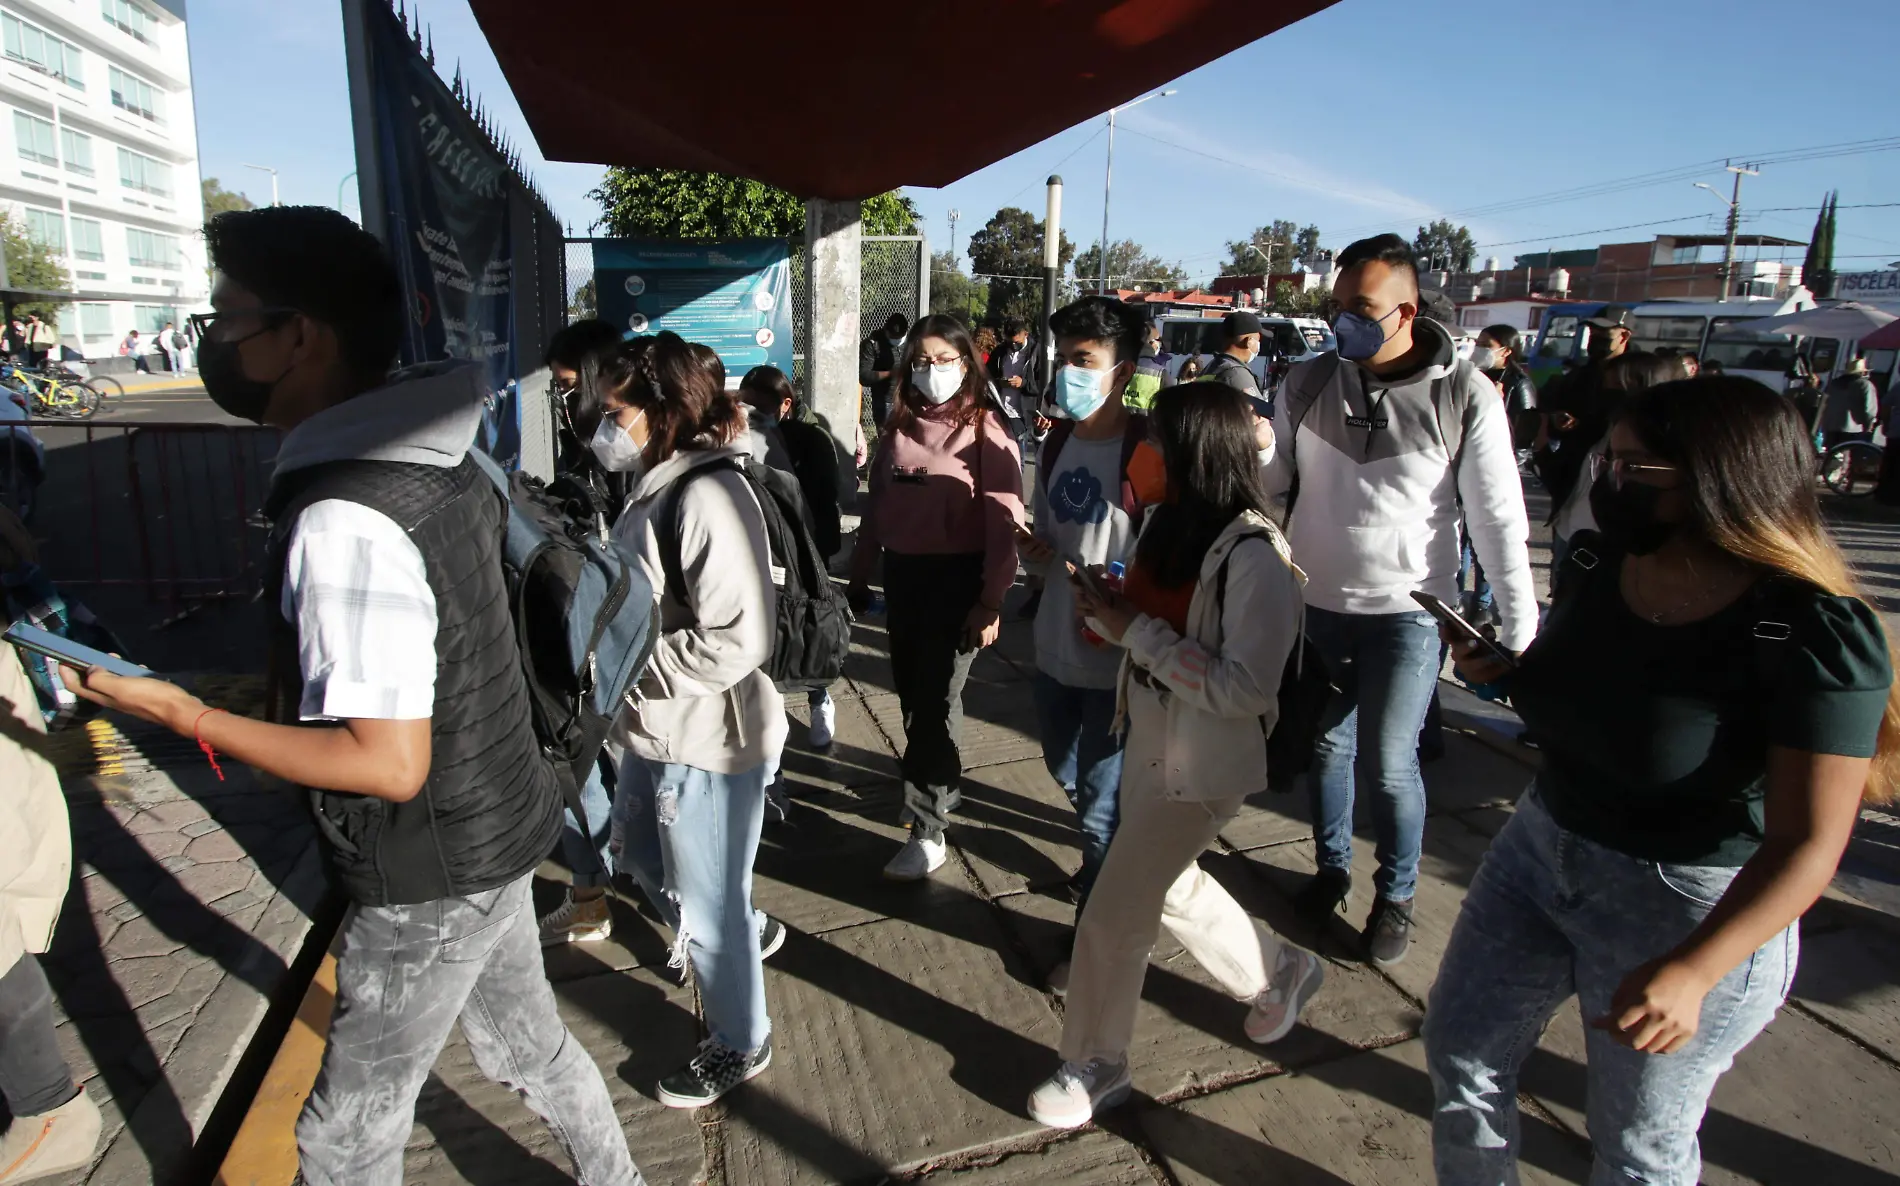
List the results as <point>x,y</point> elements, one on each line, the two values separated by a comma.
<point>221,370</point>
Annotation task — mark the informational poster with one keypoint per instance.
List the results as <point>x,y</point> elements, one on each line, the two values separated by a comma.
<point>448,194</point>
<point>734,297</point>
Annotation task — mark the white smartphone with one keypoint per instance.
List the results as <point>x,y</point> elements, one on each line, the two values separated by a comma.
<point>1450,617</point>
<point>72,654</point>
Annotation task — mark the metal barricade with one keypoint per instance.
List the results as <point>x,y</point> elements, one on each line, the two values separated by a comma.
<point>171,511</point>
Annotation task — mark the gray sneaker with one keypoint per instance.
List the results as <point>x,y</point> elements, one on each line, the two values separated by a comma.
<point>1388,932</point>
<point>1071,1097</point>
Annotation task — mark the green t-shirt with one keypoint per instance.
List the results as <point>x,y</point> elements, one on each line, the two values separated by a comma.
<point>1656,738</point>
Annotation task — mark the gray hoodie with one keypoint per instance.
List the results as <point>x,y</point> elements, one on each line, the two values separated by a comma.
<point>424,415</point>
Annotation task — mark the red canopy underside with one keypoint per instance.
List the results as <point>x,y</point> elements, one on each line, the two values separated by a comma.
<point>847,98</point>
<point>1887,337</point>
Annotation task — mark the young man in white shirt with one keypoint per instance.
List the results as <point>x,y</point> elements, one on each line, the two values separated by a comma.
<point>1380,450</point>
<point>432,800</point>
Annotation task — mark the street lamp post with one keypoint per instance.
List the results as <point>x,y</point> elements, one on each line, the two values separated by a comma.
<point>339,189</point>
<point>1734,205</point>
<point>1108,175</point>
<point>273,180</point>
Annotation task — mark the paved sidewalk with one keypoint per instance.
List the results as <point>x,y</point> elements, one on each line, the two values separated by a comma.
<point>911,1021</point>
<point>191,897</point>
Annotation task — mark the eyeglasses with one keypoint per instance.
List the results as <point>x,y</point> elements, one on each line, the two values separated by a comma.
<point>1621,471</point>
<point>219,327</point>
<point>942,360</point>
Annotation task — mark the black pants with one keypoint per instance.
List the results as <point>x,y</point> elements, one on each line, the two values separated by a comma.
<point>928,598</point>
<point>34,1077</point>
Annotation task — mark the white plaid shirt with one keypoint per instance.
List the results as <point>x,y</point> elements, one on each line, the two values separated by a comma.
<point>358,593</point>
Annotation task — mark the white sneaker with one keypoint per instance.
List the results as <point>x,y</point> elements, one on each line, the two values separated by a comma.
<point>919,858</point>
<point>824,722</point>
<point>52,1142</point>
<point>1297,975</point>
<point>1071,1096</point>
<point>1059,979</point>
<point>577,921</point>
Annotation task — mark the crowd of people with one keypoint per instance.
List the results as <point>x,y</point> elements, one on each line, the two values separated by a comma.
<point>1712,697</point>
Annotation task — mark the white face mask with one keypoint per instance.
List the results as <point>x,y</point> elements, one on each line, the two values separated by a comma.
<point>939,382</point>
<point>1484,358</point>
<point>615,449</point>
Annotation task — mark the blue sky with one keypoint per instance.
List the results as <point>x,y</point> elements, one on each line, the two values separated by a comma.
<point>1372,115</point>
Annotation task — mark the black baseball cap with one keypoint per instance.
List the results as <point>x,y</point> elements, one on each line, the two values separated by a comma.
<point>1239,324</point>
<point>1614,317</point>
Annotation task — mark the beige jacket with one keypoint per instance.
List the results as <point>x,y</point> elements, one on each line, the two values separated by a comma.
<point>703,701</point>
<point>36,847</point>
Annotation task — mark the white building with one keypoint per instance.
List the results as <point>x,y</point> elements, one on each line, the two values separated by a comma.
<point>103,160</point>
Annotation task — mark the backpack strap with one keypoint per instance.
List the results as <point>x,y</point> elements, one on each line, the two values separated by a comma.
<point>667,530</point>
<point>1297,405</point>
<point>1059,433</point>
<point>1452,406</point>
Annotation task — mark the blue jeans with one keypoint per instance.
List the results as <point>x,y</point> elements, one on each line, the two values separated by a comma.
<point>590,856</point>
<point>688,836</point>
<point>1387,667</point>
<point>1468,566</point>
<point>1084,756</point>
<point>1551,914</point>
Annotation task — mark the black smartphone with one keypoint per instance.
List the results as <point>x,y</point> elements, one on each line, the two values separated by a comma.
<point>1463,629</point>
<point>1080,574</point>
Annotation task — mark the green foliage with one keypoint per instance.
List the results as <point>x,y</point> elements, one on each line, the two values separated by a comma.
<point>951,291</point>
<point>33,266</point>
<point>1817,269</point>
<point>1282,242</point>
<point>1008,251</point>
<point>682,204</point>
<point>585,304</point>
<point>1129,266</point>
<point>1442,245</point>
<point>1288,300</point>
<point>219,200</point>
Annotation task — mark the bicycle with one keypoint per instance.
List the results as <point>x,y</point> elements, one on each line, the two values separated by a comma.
<point>51,395</point>
<point>1852,468</point>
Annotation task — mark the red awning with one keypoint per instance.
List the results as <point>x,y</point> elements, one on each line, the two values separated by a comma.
<point>847,98</point>
<point>1887,337</point>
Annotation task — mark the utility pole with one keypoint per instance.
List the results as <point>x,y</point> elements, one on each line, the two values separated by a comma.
<point>1108,176</point>
<point>1734,204</point>
<point>1051,260</point>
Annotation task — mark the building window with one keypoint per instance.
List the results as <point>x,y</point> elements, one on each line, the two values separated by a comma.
<point>88,240</point>
<point>151,250</point>
<point>46,228</point>
<point>35,47</point>
<point>35,137</point>
<point>149,319</point>
<point>141,172</point>
<point>134,94</point>
<point>128,17</point>
<point>95,322</point>
<point>76,148</point>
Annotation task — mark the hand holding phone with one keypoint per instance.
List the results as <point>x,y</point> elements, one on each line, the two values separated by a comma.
<point>1464,631</point>
<point>72,654</point>
<point>1032,550</point>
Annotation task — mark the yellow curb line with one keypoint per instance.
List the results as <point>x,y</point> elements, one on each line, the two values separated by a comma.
<point>264,1152</point>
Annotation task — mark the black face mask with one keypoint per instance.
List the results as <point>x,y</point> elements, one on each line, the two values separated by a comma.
<point>1627,516</point>
<point>221,370</point>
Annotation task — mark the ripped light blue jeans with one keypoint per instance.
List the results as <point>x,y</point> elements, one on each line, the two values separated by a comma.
<point>1550,915</point>
<point>688,836</point>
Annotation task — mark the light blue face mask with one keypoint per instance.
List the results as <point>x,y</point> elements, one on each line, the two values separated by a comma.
<point>1079,393</point>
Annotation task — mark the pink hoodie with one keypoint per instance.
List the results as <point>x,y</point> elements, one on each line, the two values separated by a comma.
<point>942,513</point>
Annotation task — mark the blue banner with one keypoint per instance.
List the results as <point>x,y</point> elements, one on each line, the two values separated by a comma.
<point>735,297</point>
<point>448,191</point>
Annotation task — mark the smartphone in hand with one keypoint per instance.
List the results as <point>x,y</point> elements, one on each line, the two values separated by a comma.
<point>1450,617</point>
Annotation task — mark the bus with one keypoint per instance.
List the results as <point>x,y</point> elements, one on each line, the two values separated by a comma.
<point>1714,331</point>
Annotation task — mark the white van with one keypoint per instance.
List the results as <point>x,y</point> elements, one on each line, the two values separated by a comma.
<point>1296,338</point>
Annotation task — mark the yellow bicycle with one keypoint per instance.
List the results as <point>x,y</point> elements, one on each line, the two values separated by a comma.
<point>51,395</point>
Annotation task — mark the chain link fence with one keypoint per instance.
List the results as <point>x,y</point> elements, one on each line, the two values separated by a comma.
<point>894,277</point>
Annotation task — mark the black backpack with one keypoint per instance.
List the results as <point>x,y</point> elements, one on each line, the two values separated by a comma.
<point>1306,689</point>
<point>813,624</point>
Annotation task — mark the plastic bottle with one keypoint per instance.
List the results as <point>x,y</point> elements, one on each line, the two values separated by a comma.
<point>1091,629</point>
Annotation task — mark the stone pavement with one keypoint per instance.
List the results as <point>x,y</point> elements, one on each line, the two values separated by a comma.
<point>911,1021</point>
<point>191,899</point>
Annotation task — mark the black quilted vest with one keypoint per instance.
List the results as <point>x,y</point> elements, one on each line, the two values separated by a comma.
<point>490,809</point>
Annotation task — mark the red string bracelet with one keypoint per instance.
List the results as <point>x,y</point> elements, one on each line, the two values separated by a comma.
<point>211,755</point>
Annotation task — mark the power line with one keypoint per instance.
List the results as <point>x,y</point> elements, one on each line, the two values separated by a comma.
<point>1051,170</point>
<point>1602,230</point>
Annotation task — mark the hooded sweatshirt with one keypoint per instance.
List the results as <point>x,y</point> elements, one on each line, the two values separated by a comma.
<point>1380,497</point>
<point>703,701</point>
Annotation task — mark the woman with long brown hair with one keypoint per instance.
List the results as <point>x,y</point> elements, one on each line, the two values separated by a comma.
<point>1714,701</point>
<point>945,502</point>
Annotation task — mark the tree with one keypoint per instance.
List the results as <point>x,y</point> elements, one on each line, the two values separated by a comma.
<point>1442,245</point>
<point>1129,266</point>
<point>1289,300</point>
<point>1008,252</point>
<point>1817,269</point>
<point>1306,248</point>
<point>1279,241</point>
<point>584,304</point>
<point>219,200</point>
<point>33,265</point>
<point>682,204</point>
<point>951,291</point>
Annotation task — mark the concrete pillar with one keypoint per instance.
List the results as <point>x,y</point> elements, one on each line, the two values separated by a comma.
<point>834,239</point>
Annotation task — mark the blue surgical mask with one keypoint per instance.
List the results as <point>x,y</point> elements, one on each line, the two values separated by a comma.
<point>1079,393</point>
<point>1360,337</point>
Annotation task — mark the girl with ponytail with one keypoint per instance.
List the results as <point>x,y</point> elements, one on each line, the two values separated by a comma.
<point>1714,700</point>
